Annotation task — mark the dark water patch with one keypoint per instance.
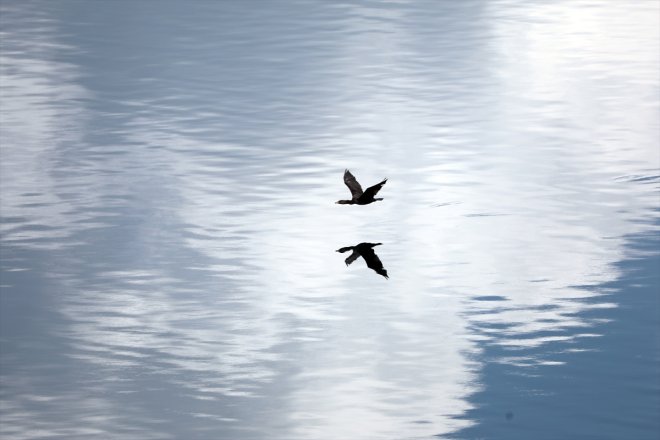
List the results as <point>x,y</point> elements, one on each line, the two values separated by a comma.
<point>640,179</point>
<point>440,205</point>
<point>567,388</point>
<point>489,298</point>
<point>484,214</point>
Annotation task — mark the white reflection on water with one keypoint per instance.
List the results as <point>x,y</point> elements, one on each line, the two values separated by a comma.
<point>41,110</point>
<point>184,182</point>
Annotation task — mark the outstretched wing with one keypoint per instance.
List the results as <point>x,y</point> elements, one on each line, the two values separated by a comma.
<point>352,184</point>
<point>373,262</point>
<point>354,256</point>
<point>372,190</point>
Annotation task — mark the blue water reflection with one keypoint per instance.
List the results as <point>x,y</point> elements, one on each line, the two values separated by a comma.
<point>168,177</point>
<point>579,383</point>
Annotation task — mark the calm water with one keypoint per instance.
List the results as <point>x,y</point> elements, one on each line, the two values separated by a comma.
<point>168,178</point>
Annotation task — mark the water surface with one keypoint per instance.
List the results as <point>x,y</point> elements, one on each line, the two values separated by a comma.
<point>168,173</point>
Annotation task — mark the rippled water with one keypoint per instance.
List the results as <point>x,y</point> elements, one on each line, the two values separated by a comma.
<point>168,173</point>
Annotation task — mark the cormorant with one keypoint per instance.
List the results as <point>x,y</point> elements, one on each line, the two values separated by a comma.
<point>365,250</point>
<point>360,197</point>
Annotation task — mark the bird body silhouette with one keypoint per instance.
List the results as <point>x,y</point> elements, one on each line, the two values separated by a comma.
<point>360,197</point>
<point>365,250</point>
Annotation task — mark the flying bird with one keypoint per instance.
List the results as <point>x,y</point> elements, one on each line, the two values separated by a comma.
<point>360,197</point>
<point>365,250</point>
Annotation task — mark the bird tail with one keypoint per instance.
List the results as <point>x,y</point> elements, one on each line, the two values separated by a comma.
<point>344,249</point>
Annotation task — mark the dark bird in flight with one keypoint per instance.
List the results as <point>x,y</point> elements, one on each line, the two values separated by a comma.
<point>365,250</point>
<point>360,197</point>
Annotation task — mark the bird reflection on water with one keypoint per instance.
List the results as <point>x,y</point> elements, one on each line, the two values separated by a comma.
<point>365,250</point>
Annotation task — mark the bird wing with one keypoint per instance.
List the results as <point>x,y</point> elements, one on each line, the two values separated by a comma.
<point>373,262</point>
<point>373,190</point>
<point>352,184</point>
<point>354,256</point>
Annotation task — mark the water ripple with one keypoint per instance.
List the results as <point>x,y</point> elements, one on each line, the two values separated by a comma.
<point>169,233</point>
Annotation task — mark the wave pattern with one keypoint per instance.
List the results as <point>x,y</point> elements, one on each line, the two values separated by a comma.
<point>168,174</point>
